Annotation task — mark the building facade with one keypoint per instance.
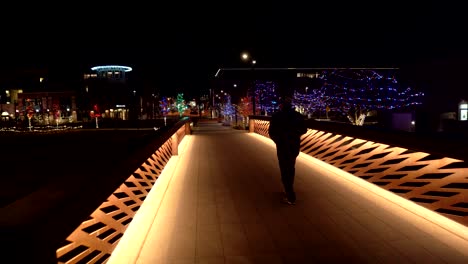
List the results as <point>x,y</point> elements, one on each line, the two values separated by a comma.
<point>106,93</point>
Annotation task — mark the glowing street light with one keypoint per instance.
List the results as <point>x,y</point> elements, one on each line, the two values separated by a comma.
<point>245,57</point>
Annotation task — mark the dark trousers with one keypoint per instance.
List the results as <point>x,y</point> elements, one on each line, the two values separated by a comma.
<point>287,161</point>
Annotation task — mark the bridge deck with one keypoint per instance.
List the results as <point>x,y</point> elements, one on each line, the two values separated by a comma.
<point>218,201</point>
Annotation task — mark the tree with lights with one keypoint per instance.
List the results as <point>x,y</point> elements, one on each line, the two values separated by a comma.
<point>355,94</point>
<point>245,107</point>
<point>93,114</point>
<point>164,105</point>
<point>312,103</point>
<point>29,112</point>
<point>227,109</point>
<point>180,104</point>
<point>266,96</point>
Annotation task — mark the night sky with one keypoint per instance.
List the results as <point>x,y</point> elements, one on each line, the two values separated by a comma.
<point>179,46</point>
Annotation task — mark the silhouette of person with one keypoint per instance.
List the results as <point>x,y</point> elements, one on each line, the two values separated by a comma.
<point>286,128</point>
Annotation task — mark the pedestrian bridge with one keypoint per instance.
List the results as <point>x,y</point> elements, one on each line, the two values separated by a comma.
<point>212,194</point>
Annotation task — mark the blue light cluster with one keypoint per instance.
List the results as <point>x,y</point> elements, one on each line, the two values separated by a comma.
<point>267,94</point>
<point>342,90</point>
<point>227,108</point>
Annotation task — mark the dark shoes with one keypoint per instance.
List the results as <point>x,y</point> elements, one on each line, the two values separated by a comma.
<point>287,201</point>
<point>290,200</point>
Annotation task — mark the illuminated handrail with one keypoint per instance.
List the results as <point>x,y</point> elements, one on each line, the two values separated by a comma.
<point>95,239</point>
<point>438,183</point>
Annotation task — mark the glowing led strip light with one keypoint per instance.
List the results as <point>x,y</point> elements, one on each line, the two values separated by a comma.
<point>451,226</point>
<point>112,67</point>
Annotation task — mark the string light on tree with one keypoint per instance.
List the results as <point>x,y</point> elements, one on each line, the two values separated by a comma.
<point>180,104</point>
<point>349,90</point>
<point>227,108</point>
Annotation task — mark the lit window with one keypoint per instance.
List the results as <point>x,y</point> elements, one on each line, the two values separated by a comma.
<point>464,111</point>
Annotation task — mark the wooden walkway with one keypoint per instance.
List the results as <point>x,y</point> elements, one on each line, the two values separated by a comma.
<point>218,201</point>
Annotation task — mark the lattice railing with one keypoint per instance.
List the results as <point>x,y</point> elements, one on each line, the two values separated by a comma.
<point>439,184</point>
<point>261,127</point>
<point>95,239</point>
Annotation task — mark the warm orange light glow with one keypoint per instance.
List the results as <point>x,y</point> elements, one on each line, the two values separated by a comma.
<point>245,56</point>
<point>136,244</point>
<point>457,235</point>
<point>129,247</point>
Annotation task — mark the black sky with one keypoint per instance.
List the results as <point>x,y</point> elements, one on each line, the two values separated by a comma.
<point>180,45</point>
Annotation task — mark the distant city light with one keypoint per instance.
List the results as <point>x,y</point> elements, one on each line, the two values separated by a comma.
<point>463,111</point>
<point>245,56</point>
<point>112,68</point>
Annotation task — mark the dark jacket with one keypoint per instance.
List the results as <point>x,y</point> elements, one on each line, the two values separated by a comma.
<point>287,127</point>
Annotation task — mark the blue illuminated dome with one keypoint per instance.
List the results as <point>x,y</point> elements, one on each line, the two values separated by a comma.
<point>112,68</point>
<point>112,72</point>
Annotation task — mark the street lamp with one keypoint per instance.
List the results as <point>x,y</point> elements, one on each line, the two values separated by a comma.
<point>246,57</point>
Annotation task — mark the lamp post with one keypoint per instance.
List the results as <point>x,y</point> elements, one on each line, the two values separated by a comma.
<point>211,96</point>
<point>246,57</point>
<point>152,101</point>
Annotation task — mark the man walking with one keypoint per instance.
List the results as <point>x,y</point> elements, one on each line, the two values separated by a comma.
<point>286,128</point>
